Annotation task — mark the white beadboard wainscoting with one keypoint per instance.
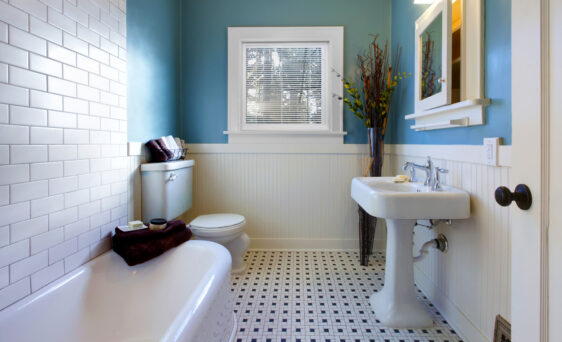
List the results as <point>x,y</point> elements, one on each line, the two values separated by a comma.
<point>298,196</point>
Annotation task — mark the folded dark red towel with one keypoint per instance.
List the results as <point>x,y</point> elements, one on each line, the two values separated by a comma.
<point>138,246</point>
<point>156,152</point>
<point>165,148</point>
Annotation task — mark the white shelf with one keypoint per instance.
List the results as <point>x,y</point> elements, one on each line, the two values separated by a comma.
<point>465,113</point>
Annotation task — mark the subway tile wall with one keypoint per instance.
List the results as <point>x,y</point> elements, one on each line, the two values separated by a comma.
<point>63,156</point>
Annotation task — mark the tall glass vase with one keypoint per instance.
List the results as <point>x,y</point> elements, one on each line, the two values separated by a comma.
<point>368,223</point>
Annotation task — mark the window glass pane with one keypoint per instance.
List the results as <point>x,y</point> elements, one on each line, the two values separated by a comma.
<point>284,84</point>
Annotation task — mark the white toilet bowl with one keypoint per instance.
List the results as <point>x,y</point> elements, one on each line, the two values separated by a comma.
<point>226,229</point>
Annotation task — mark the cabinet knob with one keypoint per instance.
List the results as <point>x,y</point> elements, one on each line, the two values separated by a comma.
<point>521,196</point>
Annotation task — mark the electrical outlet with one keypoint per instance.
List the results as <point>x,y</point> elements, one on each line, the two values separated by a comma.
<point>491,150</point>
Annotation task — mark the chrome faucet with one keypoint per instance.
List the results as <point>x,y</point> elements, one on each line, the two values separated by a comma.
<point>428,168</point>
<point>432,172</point>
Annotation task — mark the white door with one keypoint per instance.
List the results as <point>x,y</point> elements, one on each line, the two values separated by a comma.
<point>537,128</point>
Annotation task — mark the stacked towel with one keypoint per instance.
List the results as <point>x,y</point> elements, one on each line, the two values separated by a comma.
<point>166,148</point>
<point>141,245</point>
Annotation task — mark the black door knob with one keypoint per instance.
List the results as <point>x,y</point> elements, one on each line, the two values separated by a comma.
<point>521,196</point>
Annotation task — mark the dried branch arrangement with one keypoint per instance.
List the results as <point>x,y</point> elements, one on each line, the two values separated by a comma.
<point>428,80</point>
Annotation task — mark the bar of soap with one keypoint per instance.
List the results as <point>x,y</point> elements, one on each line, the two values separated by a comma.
<point>135,225</point>
<point>400,179</point>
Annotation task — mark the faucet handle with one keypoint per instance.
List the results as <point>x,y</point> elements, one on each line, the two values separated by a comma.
<point>436,179</point>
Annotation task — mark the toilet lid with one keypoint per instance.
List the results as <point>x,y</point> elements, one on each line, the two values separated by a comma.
<point>216,221</point>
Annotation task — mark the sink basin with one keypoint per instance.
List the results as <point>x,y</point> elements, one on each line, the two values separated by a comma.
<point>380,197</point>
<point>401,204</point>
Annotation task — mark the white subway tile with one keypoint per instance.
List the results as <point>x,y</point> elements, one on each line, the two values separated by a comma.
<point>88,238</point>
<point>99,109</point>
<point>99,55</point>
<point>4,236</point>
<point>28,79</point>
<point>76,228</point>
<point>118,39</point>
<point>109,203</point>
<point>61,119</point>
<point>26,229</point>
<point>99,28</point>
<point>13,16</point>
<point>10,174</point>
<point>119,212</point>
<point>16,291</point>
<point>22,154</point>
<point>4,154</point>
<point>60,86</point>
<point>47,205</point>
<point>88,93</point>
<point>77,259</point>
<point>76,167</point>
<point>47,275</point>
<point>72,43</point>
<point>14,95</point>
<point>109,21</point>
<point>99,247</point>
<point>75,105</point>
<point>109,72</point>
<point>33,7</point>
<point>27,116</point>
<point>118,188</point>
<point>45,65</point>
<point>88,64</point>
<point>75,198</point>
<point>109,124</point>
<point>48,170</point>
<point>43,135</point>
<point>14,252</point>
<point>3,32</point>
<point>90,8</point>
<point>4,113</point>
<point>46,240</point>
<point>89,209</point>
<point>99,137</point>
<point>27,41</point>
<point>62,185</point>
<point>27,191</point>
<point>62,152</point>
<point>88,122</point>
<point>56,4</point>
<point>3,73</point>
<point>109,99</point>
<point>100,192</point>
<point>89,180</point>
<point>75,14</point>
<point>76,136</point>
<point>75,74</point>
<point>99,82</point>
<point>118,88</point>
<point>62,22</point>
<point>100,219</point>
<point>107,230</point>
<point>61,54</point>
<point>4,276</point>
<point>99,164</point>
<point>89,151</point>
<point>25,267</point>
<point>42,29</point>
<point>40,99</point>
<point>87,35</point>
<point>118,138</point>
<point>62,250</point>
<point>63,217</point>
<point>108,151</point>
<point>109,47</point>
<point>4,196</point>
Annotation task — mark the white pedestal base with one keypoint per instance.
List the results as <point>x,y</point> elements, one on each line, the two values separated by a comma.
<point>396,305</point>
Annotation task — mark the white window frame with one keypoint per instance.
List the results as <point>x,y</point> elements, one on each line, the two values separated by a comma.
<point>331,129</point>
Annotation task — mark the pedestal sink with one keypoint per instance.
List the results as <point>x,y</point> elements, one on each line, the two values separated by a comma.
<point>401,204</point>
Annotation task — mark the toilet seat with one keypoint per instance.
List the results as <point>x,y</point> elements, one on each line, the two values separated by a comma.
<point>217,224</point>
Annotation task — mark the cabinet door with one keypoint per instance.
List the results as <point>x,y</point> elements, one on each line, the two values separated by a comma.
<point>433,57</point>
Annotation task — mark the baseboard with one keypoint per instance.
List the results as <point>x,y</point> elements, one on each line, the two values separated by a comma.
<point>449,310</point>
<point>309,244</point>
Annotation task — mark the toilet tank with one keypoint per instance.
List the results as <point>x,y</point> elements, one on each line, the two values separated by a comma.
<point>166,189</point>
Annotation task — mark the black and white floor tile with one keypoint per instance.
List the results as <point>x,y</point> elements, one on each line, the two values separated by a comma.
<point>320,296</point>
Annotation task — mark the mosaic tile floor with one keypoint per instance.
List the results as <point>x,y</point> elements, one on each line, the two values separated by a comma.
<point>318,296</point>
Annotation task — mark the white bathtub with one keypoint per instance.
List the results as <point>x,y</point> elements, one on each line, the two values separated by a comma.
<point>183,295</point>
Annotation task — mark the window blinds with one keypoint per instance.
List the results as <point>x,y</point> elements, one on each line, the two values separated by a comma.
<point>284,84</point>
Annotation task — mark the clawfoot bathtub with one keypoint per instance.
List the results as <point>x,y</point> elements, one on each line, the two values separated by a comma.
<point>183,295</point>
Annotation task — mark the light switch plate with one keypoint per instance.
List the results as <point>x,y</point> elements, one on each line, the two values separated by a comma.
<point>491,150</point>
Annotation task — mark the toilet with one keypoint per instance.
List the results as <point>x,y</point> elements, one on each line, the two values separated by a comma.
<point>167,192</point>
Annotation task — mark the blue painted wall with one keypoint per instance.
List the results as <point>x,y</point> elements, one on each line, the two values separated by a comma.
<point>153,51</point>
<point>497,79</point>
<point>204,54</point>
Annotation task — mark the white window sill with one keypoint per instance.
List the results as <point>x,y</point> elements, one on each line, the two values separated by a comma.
<point>283,137</point>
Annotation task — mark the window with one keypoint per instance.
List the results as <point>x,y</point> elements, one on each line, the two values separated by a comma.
<point>282,84</point>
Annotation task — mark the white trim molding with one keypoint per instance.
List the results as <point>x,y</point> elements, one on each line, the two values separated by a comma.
<point>331,130</point>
